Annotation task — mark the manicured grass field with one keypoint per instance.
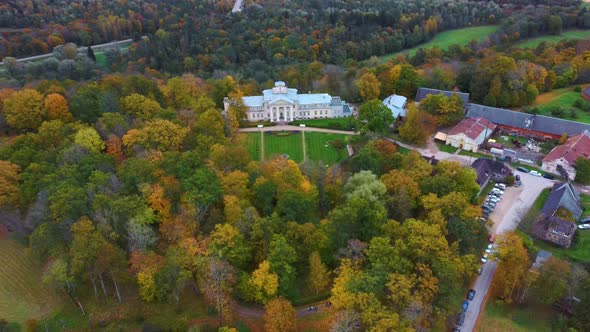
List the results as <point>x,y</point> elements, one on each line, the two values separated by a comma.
<point>319,148</point>
<point>564,97</point>
<point>291,145</point>
<point>570,34</point>
<point>278,145</point>
<point>444,39</point>
<point>505,318</point>
<point>334,123</point>
<point>22,294</point>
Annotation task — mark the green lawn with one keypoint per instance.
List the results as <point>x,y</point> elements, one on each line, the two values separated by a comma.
<point>22,294</point>
<point>445,39</point>
<point>570,34</point>
<point>252,142</point>
<point>446,148</point>
<point>512,318</point>
<point>474,154</point>
<point>318,146</point>
<point>279,145</point>
<point>564,97</point>
<point>334,123</point>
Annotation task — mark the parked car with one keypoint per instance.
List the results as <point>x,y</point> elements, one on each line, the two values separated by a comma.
<point>456,330</point>
<point>471,294</point>
<point>489,248</point>
<point>522,169</point>
<point>584,226</point>
<point>480,270</point>
<point>497,191</point>
<point>585,220</point>
<point>484,259</point>
<point>492,238</point>
<point>494,199</point>
<point>548,176</point>
<point>491,204</point>
<point>535,173</point>
<point>500,185</point>
<point>517,178</point>
<point>465,305</point>
<point>517,184</point>
<point>461,319</point>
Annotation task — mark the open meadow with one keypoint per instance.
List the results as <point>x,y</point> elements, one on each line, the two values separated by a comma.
<point>22,294</point>
<point>570,34</point>
<point>565,98</point>
<point>447,38</point>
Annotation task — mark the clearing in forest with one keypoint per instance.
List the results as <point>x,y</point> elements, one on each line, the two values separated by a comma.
<point>23,295</point>
<point>447,38</point>
<point>570,34</point>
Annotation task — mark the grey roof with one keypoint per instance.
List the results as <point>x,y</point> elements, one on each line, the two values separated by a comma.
<point>423,92</point>
<point>485,168</point>
<point>346,109</point>
<point>539,123</point>
<point>336,101</point>
<point>563,195</point>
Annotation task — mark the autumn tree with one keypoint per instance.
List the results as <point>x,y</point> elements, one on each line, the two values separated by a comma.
<point>157,134</point>
<point>369,87</point>
<point>9,182</point>
<point>447,110</point>
<point>57,108</point>
<point>90,139</point>
<point>265,284</point>
<point>140,106</point>
<point>416,127</point>
<point>226,242</point>
<point>24,109</point>
<point>319,276</point>
<point>279,316</point>
<point>217,285</point>
<point>281,257</point>
<point>374,117</point>
<point>513,265</point>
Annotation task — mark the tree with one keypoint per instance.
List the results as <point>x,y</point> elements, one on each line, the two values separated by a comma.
<point>583,170</point>
<point>416,127</point>
<point>9,182</point>
<point>203,189</point>
<point>264,283</point>
<point>57,108</point>
<point>374,117</point>
<point>24,109</point>
<point>279,316</point>
<point>512,267</point>
<point>90,53</point>
<point>369,87</point>
<point>552,280</point>
<point>217,285</point>
<point>157,134</point>
<point>319,276</point>
<point>447,110</point>
<point>226,242</point>
<point>140,106</point>
<point>90,139</point>
<point>281,257</point>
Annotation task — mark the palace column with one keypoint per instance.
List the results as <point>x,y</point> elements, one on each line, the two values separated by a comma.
<point>291,109</point>
<point>271,120</point>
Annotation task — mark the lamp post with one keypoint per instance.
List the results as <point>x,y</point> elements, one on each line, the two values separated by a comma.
<point>303,141</point>
<point>261,142</point>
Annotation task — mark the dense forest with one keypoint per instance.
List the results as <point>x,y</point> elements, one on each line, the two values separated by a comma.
<point>163,185</point>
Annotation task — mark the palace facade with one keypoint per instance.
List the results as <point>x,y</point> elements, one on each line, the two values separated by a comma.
<point>283,104</point>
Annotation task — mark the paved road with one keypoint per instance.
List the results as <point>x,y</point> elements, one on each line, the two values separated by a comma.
<point>515,203</point>
<point>94,47</point>
<point>289,127</point>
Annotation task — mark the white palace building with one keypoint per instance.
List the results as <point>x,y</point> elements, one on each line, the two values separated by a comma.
<point>282,104</point>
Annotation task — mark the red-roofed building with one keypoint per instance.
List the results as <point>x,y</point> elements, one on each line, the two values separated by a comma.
<point>562,159</point>
<point>470,133</point>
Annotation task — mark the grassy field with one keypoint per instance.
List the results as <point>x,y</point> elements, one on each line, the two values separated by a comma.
<point>564,97</point>
<point>278,145</point>
<point>22,294</point>
<point>446,148</point>
<point>444,39</point>
<point>570,34</point>
<point>504,318</point>
<point>318,146</point>
<point>335,123</point>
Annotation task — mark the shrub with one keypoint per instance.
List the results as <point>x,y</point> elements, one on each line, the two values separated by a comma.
<point>557,111</point>
<point>573,113</point>
<point>578,88</point>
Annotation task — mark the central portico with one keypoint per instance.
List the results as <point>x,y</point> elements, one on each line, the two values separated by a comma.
<point>282,104</point>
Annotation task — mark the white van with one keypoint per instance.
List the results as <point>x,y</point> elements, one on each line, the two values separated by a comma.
<point>500,186</point>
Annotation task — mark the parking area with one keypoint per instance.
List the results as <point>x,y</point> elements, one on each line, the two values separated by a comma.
<point>505,217</point>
